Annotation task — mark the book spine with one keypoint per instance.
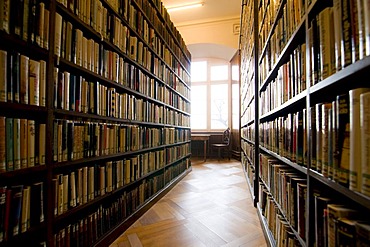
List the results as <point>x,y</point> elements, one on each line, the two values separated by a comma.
<point>24,79</point>
<point>26,12</point>
<point>365,142</point>
<point>58,35</point>
<point>31,142</point>
<point>355,138</point>
<point>42,84</point>
<point>17,143</point>
<point>34,82</point>
<point>15,214</point>
<point>3,75</point>
<point>9,144</point>
<point>42,143</point>
<point>15,74</point>
<point>2,145</point>
<point>23,143</point>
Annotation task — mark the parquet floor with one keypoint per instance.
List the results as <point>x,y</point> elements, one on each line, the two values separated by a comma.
<point>211,206</point>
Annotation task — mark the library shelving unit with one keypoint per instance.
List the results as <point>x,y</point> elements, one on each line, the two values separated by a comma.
<point>304,118</point>
<point>95,117</point>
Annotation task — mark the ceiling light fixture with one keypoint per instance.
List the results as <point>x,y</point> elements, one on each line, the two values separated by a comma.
<point>185,6</point>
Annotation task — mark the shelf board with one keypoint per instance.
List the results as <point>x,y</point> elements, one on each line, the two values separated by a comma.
<point>302,169</point>
<point>249,141</point>
<point>343,76</point>
<point>9,107</point>
<point>25,172</point>
<point>299,98</point>
<point>359,198</point>
<point>60,112</point>
<point>268,234</point>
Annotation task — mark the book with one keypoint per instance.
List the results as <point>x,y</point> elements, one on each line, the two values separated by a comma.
<point>24,79</point>
<point>15,75</point>
<point>327,49</point>
<point>46,28</point>
<point>355,138</point>
<point>321,217</point>
<point>26,12</point>
<point>25,211</point>
<point>346,232</point>
<point>335,212</point>
<point>325,110</point>
<point>362,233</point>
<point>5,15</point>
<point>58,35</point>
<point>301,208</point>
<point>17,143</point>
<point>9,144</point>
<point>342,143</point>
<point>34,82</point>
<point>42,143</point>
<point>2,211</point>
<point>2,145</point>
<point>318,111</point>
<point>3,75</point>
<point>37,204</point>
<point>337,19</point>
<point>42,83</point>
<point>31,131</point>
<point>365,142</point>
<point>8,75</point>
<point>347,33</point>
<point>16,208</point>
<point>16,15</point>
<point>23,142</point>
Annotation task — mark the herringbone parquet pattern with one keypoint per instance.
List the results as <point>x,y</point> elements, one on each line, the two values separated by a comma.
<point>211,206</point>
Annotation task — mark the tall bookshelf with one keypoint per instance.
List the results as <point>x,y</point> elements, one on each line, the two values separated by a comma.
<point>302,63</point>
<point>110,129</point>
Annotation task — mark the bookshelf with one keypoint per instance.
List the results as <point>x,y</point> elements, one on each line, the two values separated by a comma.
<point>98,94</point>
<point>300,61</point>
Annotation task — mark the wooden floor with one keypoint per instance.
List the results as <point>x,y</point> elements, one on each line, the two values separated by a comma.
<point>211,206</point>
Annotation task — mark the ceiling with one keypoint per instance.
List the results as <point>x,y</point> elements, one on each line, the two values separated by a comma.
<point>211,10</point>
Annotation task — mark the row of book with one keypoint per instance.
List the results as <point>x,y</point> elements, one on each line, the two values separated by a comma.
<point>21,207</point>
<point>87,183</point>
<point>248,114</point>
<point>22,80</point>
<point>248,132</point>
<point>74,46</point>
<point>74,93</point>
<point>338,134</point>
<point>75,140</point>
<point>338,224</point>
<point>292,14</point>
<point>286,186</point>
<point>290,81</point>
<point>284,30</point>
<point>22,144</point>
<point>26,19</point>
<point>248,149</point>
<point>279,225</point>
<point>86,230</point>
<point>110,27</point>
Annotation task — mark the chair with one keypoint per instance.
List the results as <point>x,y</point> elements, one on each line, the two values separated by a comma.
<point>224,145</point>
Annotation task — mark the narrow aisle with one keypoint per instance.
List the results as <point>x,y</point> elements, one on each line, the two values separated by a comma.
<point>211,206</point>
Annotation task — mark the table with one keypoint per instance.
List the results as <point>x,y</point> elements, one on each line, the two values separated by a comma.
<point>205,139</point>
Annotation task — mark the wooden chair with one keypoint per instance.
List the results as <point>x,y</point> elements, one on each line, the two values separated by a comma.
<point>224,145</point>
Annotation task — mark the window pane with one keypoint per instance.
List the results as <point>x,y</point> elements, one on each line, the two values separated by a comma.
<point>199,71</point>
<point>199,107</point>
<point>219,107</point>
<point>235,105</point>
<point>219,73</point>
<point>235,73</point>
